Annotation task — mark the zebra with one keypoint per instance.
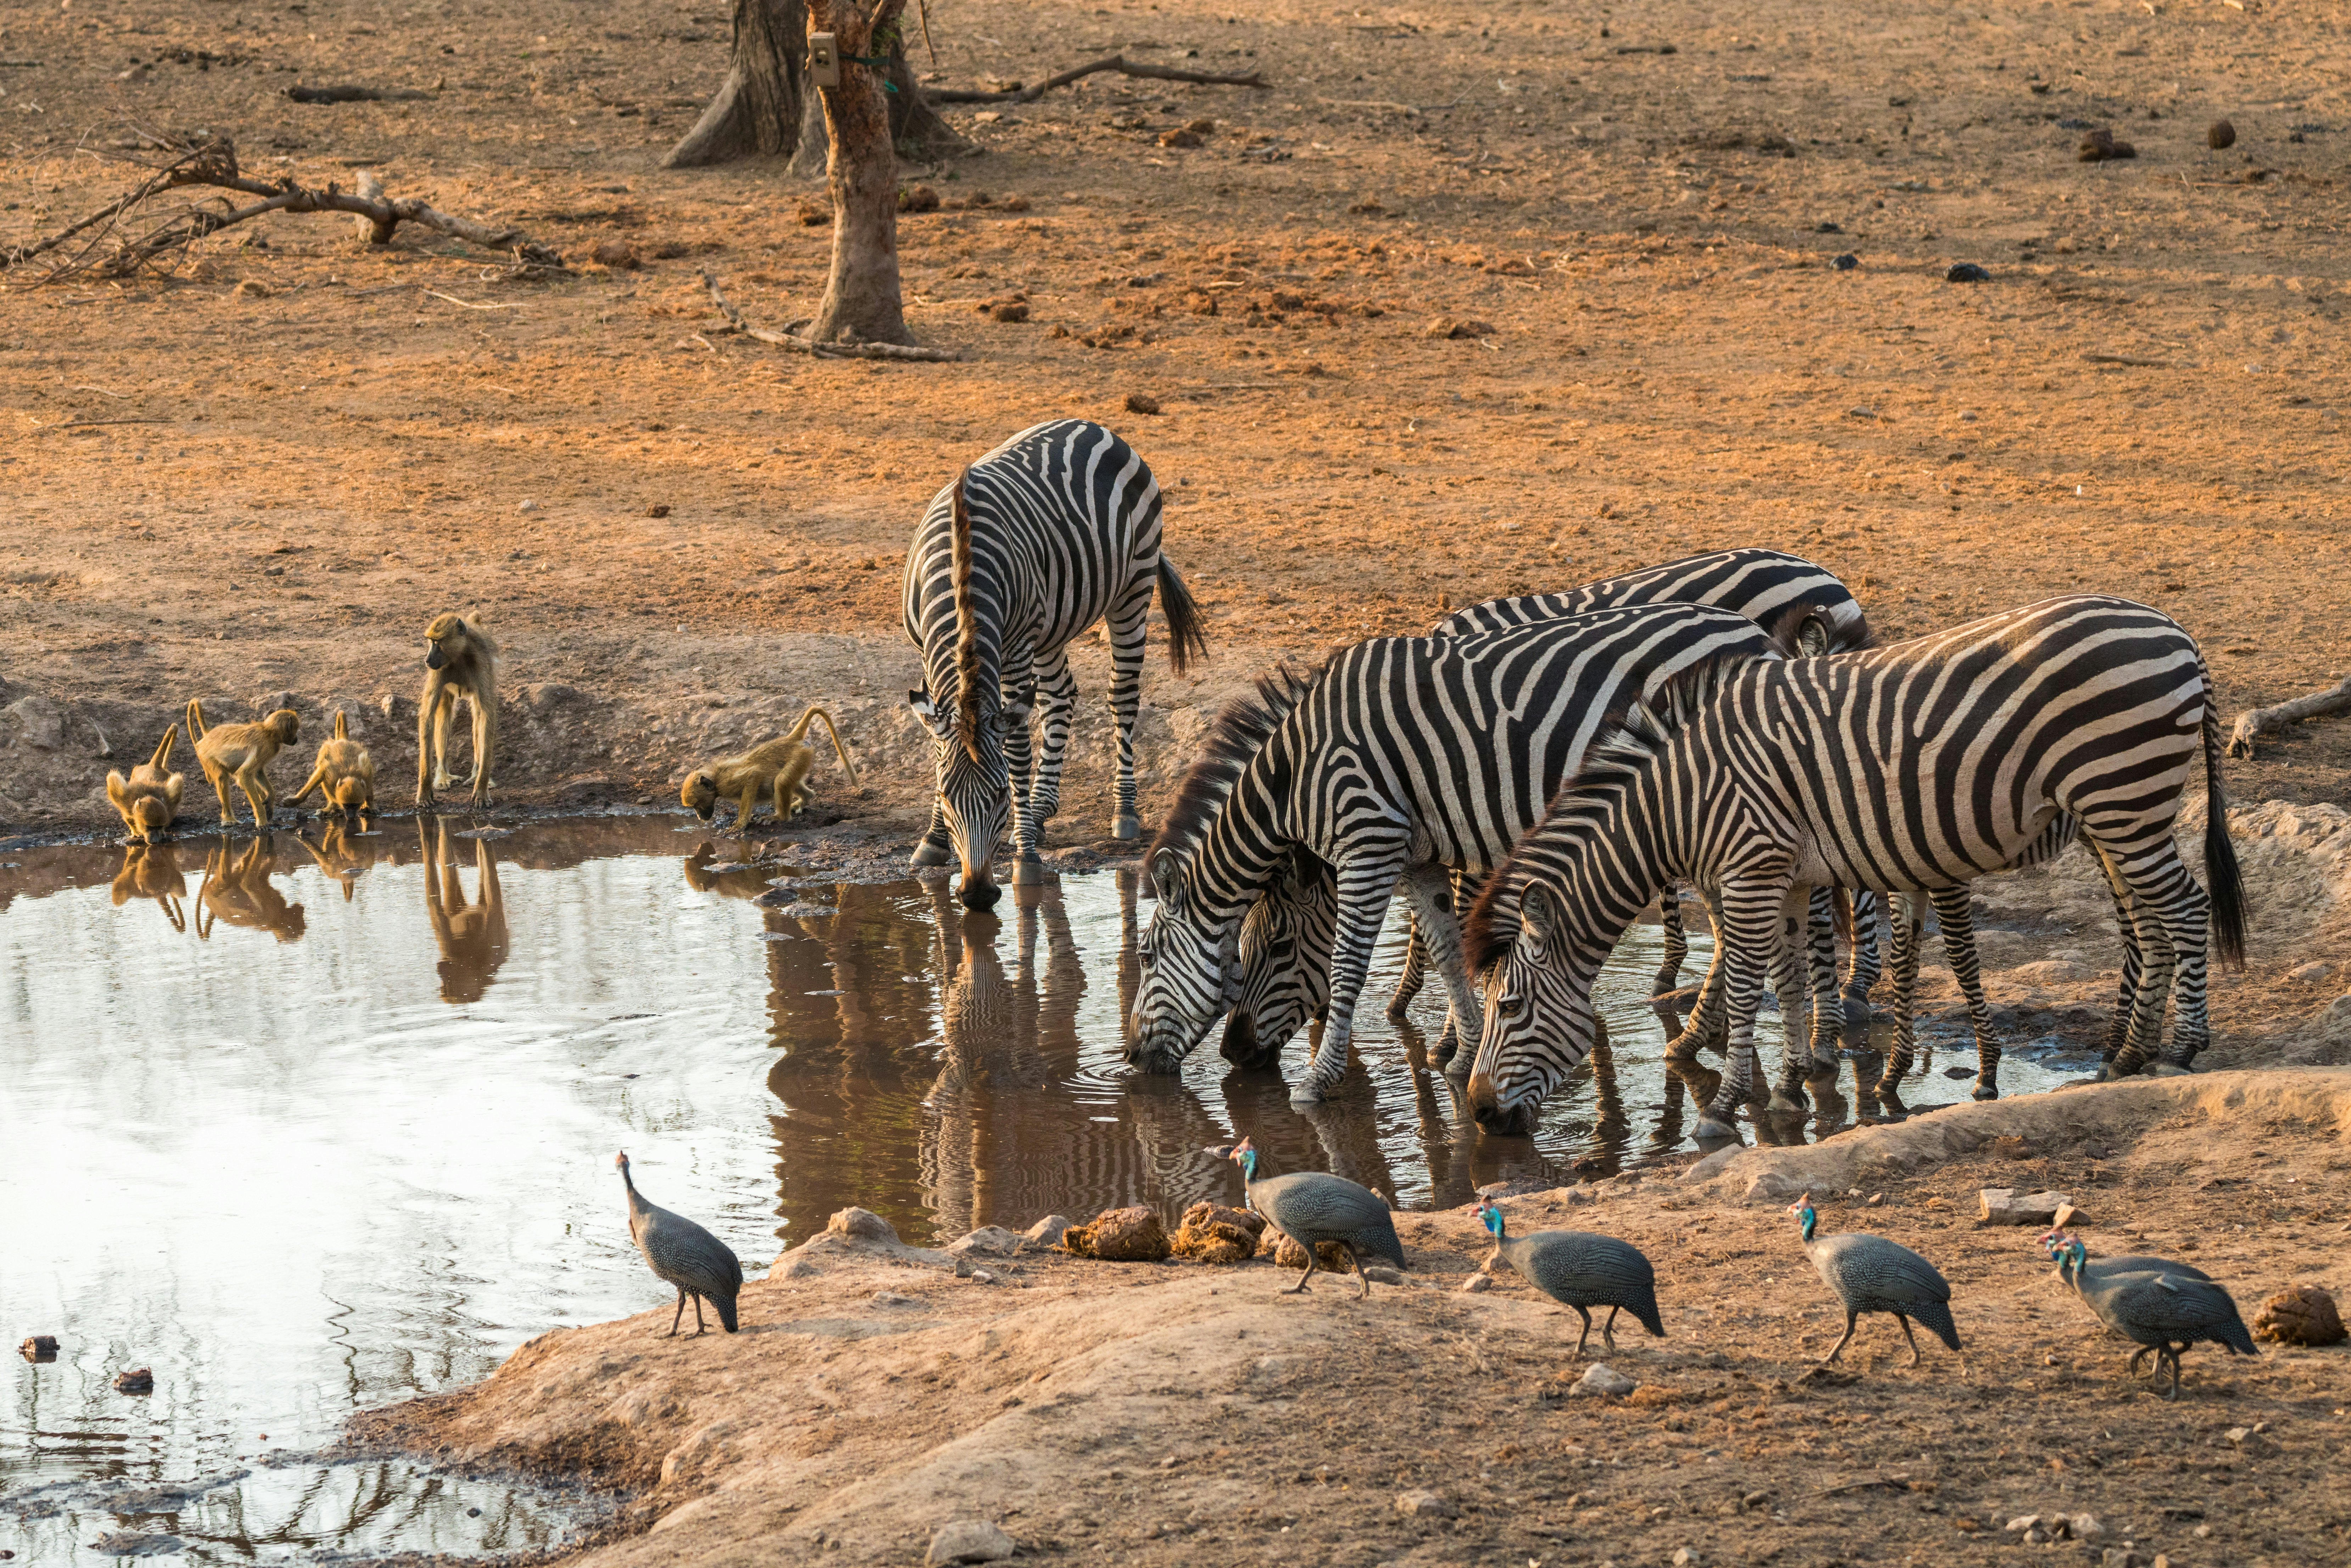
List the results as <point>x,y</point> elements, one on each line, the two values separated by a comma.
<point>1285,943</point>
<point>1920,766</point>
<point>1026,549</point>
<point>1401,759</point>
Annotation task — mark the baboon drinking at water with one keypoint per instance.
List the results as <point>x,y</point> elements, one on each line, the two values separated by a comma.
<point>460,659</point>
<point>345,775</point>
<point>150,797</point>
<point>775,766</point>
<point>242,752</point>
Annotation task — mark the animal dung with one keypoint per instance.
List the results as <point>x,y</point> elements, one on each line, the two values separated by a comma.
<point>1120,1236</point>
<point>1289,1254</point>
<point>658,509</point>
<point>2220,136</point>
<point>1211,1233</point>
<point>618,254</point>
<point>1846,262</point>
<point>1967,272</point>
<point>136,1381</point>
<point>917,199</point>
<point>2300,1314</point>
<point>1449,327</point>
<point>1142,402</point>
<point>2100,146</point>
<point>44,1347</point>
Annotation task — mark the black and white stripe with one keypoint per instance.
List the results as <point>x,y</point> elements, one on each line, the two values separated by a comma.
<point>1052,532</point>
<point>1403,760</point>
<point>1921,766</point>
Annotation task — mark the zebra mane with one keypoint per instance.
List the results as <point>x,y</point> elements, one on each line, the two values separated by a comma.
<point>1240,733</point>
<point>1629,739</point>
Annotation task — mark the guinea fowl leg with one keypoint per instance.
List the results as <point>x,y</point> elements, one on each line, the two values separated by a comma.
<point>1850,1318</point>
<point>1608,1330</point>
<point>1908,1336</point>
<point>699,1329</point>
<point>675,1317</point>
<point>1587,1330</point>
<point>1311,1260</point>
<point>2138,1355</point>
<point>1365,1294</point>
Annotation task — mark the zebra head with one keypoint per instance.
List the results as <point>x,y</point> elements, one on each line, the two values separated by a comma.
<point>1538,1021</point>
<point>1285,960</point>
<point>974,785</point>
<point>1191,971</point>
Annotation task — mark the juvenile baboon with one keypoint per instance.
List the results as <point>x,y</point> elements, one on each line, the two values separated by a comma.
<point>460,659</point>
<point>242,752</point>
<point>150,797</point>
<point>775,766</point>
<point>345,774</point>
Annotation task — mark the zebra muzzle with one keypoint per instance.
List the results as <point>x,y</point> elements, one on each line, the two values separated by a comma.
<point>1493,1116</point>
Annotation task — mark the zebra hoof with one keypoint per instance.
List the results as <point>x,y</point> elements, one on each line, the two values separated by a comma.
<point>1711,1129</point>
<point>2166,1069</point>
<point>1027,871</point>
<point>1127,827</point>
<point>1305,1094</point>
<point>927,854</point>
<point>1986,1090</point>
<point>1785,1102</point>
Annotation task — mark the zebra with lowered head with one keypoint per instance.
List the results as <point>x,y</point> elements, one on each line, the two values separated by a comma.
<point>1402,760</point>
<point>1052,532</point>
<point>1920,766</point>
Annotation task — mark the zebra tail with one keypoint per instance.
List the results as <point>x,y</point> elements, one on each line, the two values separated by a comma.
<point>966,624</point>
<point>1185,641</point>
<point>2227,888</point>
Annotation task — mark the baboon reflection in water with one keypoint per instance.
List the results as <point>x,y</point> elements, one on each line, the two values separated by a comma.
<point>241,893</point>
<point>152,871</point>
<point>472,937</point>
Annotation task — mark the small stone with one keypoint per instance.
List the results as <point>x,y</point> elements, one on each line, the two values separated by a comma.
<point>1142,402</point>
<point>982,1276</point>
<point>861,1225</point>
<point>1424,1505</point>
<point>1474,1284</point>
<point>1447,326</point>
<point>1966,272</point>
<point>2116,1557</point>
<point>2006,1206</point>
<point>2220,136</point>
<point>1048,1232</point>
<point>2085,1527</point>
<point>527,506</point>
<point>1846,262</point>
<point>969,1541</point>
<point>2300,1314</point>
<point>658,509</point>
<point>617,254</point>
<point>892,1298</point>
<point>41,1347</point>
<point>1603,1380</point>
<point>138,1380</point>
<point>2316,971</point>
<point>2238,1434</point>
<point>988,1241</point>
<point>2022,1523</point>
<point>1381,1274</point>
<point>1876,1200</point>
<point>1182,136</point>
<point>1755,1498</point>
<point>1685,1558</point>
<point>253,288</point>
<point>1770,1186</point>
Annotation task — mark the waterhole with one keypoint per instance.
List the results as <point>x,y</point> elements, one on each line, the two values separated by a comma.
<point>310,1123</point>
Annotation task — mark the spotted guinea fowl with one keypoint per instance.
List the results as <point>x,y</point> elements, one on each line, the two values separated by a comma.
<point>2161,1308</point>
<point>1313,1206</point>
<point>2097,1270</point>
<point>1583,1270</point>
<point>1871,1274</point>
<point>681,1253</point>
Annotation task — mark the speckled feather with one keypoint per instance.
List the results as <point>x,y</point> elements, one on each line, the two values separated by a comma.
<point>2159,1308</point>
<point>684,1254</point>
<point>1312,1207</point>
<point>1582,1270</point>
<point>1871,1274</point>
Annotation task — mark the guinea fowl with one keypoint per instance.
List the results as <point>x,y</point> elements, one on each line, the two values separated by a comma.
<point>1313,1206</point>
<point>2161,1308</point>
<point>681,1253</point>
<point>1871,1274</point>
<point>2098,1271</point>
<point>1583,1270</point>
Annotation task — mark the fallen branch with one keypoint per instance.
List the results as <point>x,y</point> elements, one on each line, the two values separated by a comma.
<point>2128,359</point>
<point>1118,63</point>
<point>213,165</point>
<point>2254,723</point>
<point>92,423</point>
<point>1900,1483</point>
<point>800,345</point>
<point>350,92</point>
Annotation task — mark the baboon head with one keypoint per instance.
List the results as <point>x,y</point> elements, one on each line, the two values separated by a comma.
<point>700,793</point>
<point>149,817</point>
<point>286,722</point>
<point>444,627</point>
<point>350,795</point>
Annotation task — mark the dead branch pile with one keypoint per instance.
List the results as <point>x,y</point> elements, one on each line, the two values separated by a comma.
<point>789,339</point>
<point>2255,723</point>
<point>1118,63</point>
<point>129,236</point>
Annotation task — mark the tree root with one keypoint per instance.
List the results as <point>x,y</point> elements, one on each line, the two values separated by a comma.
<point>800,345</point>
<point>1118,63</point>
<point>2254,723</point>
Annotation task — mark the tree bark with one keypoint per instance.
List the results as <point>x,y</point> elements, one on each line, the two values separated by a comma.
<point>758,111</point>
<point>862,293</point>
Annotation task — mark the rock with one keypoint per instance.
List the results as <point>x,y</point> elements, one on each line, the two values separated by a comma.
<point>1048,1232</point>
<point>917,199</point>
<point>658,509</point>
<point>1381,1274</point>
<point>988,1241</point>
<point>892,1298</point>
<point>1603,1380</point>
<point>1447,326</point>
<point>1711,1165</point>
<point>1143,402</point>
<point>41,1347</point>
<point>1770,1186</point>
<point>2006,1206</point>
<point>1685,1558</point>
<point>617,254</point>
<point>1118,1236</point>
<point>1424,1505</point>
<point>527,506</point>
<point>2067,1217</point>
<point>1755,1500</point>
<point>1215,1234</point>
<point>44,722</point>
<point>861,1225</point>
<point>1474,1284</point>
<point>700,1447</point>
<point>1846,262</point>
<point>2011,1147</point>
<point>2020,1523</point>
<point>127,1543</point>
<point>138,1380</point>
<point>1966,272</point>
<point>1182,136</point>
<point>2100,146</point>
<point>2220,136</point>
<point>968,1540</point>
<point>2317,971</point>
<point>2300,1314</point>
<point>2085,1527</point>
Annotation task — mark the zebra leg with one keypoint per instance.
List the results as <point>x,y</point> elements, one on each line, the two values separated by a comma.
<point>935,848</point>
<point>1669,921</point>
<point>1909,935</point>
<point>1955,915</point>
<point>2118,1029</point>
<point>1367,880</point>
<point>1415,971</point>
<point>1820,954</point>
<point>1430,890</point>
<point>1748,927</point>
<point>1126,623</point>
<point>2143,1039</point>
<point>1057,690</point>
<point>1860,970</point>
<point>1704,1028</point>
<point>2178,911</point>
<point>1788,1094</point>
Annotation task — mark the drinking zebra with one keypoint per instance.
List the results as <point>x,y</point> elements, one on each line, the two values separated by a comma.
<point>1029,547</point>
<point>1920,766</point>
<point>1285,943</point>
<point>1402,759</point>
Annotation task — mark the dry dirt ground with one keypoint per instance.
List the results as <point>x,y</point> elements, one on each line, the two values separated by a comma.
<point>1183,1414</point>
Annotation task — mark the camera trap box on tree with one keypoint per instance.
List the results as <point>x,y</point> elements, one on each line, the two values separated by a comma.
<point>823,62</point>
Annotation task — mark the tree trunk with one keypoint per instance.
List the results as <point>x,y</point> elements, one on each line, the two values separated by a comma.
<point>915,127</point>
<point>757,110</point>
<point>861,296</point>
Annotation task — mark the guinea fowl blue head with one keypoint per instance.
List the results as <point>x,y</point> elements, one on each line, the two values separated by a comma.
<point>1244,1156</point>
<point>1493,1218</point>
<point>1805,1219</point>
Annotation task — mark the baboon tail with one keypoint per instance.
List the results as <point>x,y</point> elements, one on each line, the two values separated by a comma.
<point>342,725</point>
<point>838,750</point>
<point>162,758</point>
<point>2228,887</point>
<point>967,612</point>
<point>195,719</point>
<point>1185,641</point>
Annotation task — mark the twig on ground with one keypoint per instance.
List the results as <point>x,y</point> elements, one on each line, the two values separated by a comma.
<point>469,304</point>
<point>1118,63</point>
<point>2128,359</point>
<point>92,423</point>
<point>2254,723</point>
<point>800,345</point>
<point>1900,1483</point>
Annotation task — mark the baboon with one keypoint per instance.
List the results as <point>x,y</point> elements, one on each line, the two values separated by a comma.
<point>344,777</point>
<point>460,659</point>
<point>242,752</point>
<point>775,766</point>
<point>150,797</point>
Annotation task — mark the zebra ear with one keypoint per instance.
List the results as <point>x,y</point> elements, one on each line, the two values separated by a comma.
<point>919,699</point>
<point>1540,913</point>
<point>1812,636</point>
<point>1167,882</point>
